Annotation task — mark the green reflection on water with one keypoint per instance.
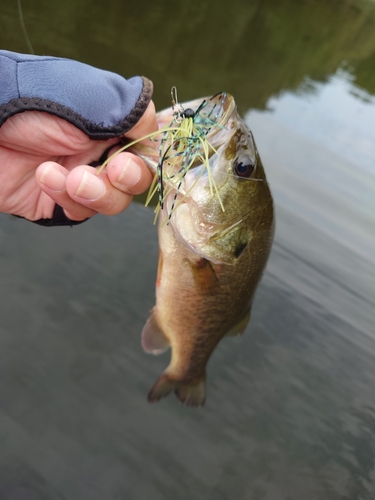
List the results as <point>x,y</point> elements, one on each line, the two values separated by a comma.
<point>252,49</point>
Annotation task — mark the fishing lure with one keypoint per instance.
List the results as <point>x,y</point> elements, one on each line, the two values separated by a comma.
<point>183,144</point>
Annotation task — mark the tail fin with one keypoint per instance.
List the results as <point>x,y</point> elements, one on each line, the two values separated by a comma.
<point>189,393</point>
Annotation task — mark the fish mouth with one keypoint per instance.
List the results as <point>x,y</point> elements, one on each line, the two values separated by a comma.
<point>213,118</point>
<point>185,145</point>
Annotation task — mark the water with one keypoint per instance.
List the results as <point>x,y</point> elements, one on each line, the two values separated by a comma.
<point>290,412</point>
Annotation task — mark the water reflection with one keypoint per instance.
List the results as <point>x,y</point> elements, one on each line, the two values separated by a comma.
<point>319,147</point>
<point>254,50</point>
<point>337,114</point>
<point>290,409</point>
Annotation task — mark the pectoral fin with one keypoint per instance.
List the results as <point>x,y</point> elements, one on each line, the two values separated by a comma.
<point>204,275</point>
<point>154,340</point>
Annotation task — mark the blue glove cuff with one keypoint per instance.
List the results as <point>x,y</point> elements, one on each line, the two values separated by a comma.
<point>100,103</point>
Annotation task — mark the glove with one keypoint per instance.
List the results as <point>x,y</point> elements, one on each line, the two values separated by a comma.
<point>100,103</point>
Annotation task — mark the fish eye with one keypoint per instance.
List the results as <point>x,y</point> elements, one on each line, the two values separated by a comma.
<point>244,166</point>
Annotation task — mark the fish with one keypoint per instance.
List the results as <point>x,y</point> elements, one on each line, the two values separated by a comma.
<point>213,245</point>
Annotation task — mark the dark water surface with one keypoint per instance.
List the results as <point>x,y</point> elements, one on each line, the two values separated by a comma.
<point>290,409</point>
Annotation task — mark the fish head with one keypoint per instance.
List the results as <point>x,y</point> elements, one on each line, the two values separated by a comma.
<point>218,209</point>
<point>215,207</point>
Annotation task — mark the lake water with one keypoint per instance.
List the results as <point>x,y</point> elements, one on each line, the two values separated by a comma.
<point>290,409</point>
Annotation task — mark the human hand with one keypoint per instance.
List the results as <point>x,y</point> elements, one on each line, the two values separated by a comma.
<point>44,160</point>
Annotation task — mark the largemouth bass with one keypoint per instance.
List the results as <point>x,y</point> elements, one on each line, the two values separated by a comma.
<point>210,259</point>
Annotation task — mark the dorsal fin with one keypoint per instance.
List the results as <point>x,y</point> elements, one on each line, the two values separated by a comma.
<point>154,340</point>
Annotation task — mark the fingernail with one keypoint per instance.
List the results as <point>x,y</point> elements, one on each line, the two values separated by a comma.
<point>53,178</point>
<point>91,187</point>
<point>131,174</point>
